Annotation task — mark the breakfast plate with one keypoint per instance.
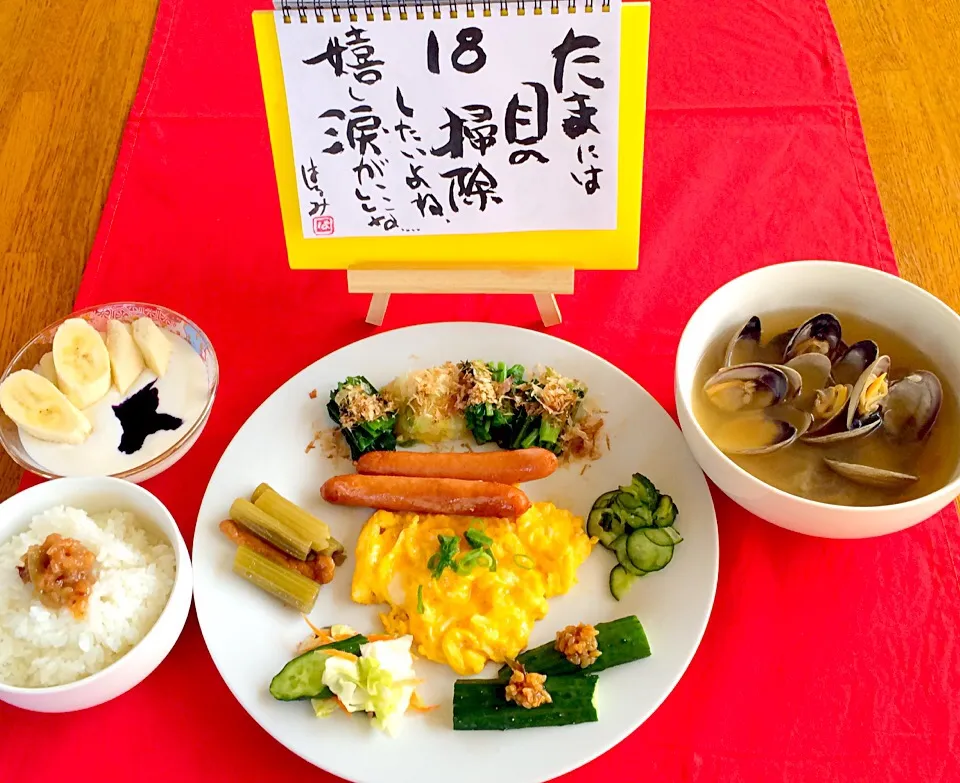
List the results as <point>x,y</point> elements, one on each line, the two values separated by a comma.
<point>251,636</point>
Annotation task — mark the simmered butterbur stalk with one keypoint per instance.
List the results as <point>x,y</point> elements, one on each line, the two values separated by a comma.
<point>270,529</point>
<point>290,587</point>
<point>301,522</point>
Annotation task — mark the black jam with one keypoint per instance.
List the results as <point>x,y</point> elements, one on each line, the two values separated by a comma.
<point>139,418</point>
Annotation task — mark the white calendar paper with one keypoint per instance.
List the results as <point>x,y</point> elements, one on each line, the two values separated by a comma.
<point>454,126</point>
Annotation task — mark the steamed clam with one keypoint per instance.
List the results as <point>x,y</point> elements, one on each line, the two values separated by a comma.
<point>747,387</point>
<point>814,371</point>
<point>869,392</point>
<point>911,406</point>
<point>808,387</point>
<point>820,334</point>
<point>871,477</point>
<point>761,432</point>
<point>854,360</point>
<point>744,346</point>
<point>829,405</point>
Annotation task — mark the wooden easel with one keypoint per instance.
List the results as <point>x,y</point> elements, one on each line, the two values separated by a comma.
<point>544,284</point>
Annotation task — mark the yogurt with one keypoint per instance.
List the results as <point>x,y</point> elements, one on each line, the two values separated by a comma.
<point>183,393</point>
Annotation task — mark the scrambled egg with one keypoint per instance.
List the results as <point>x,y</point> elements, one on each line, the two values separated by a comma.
<point>467,619</point>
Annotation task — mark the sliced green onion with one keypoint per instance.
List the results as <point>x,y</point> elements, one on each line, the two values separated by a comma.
<point>469,561</point>
<point>420,599</point>
<point>493,561</point>
<point>524,561</point>
<point>477,538</point>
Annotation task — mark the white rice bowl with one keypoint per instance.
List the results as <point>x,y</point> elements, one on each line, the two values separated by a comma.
<point>40,647</point>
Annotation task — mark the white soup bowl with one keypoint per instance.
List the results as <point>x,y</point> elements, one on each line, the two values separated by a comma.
<point>93,495</point>
<point>817,286</point>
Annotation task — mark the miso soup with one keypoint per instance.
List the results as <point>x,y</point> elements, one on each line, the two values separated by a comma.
<point>825,414</point>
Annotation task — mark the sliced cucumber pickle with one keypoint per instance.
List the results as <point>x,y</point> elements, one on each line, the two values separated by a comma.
<point>646,555</point>
<point>620,581</point>
<point>620,548</point>
<point>640,517</point>
<point>643,488</point>
<point>628,500</point>
<point>606,499</point>
<point>605,526</point>
<point>662,536</point>
<point>664,556</point>
<point>635,522</point>
<point>666,512</point>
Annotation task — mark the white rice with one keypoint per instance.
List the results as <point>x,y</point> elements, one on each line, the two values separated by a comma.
<point>41,647</point>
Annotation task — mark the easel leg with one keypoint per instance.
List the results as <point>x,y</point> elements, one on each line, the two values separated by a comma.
<point>549,312</point>
<point>378,308</point>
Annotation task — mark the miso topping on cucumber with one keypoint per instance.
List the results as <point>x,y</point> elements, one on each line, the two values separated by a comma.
<point>482,704</point>
<point>619,641</point>
<point>635,522</point>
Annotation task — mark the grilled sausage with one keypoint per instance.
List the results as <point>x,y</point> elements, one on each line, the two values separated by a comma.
<point>504,467</point>
<point>426,495</point>
<point>319,570</point>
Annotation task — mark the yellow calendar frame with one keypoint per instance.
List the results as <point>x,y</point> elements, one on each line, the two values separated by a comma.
<point>516,251</point>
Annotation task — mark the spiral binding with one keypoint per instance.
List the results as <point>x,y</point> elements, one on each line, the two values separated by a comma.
<point>323,11</point>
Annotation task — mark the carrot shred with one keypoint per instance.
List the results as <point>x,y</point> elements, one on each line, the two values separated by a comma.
<point>341,705</point>
<point>419,706</point>
<point>381,637</point>
<point>341,654</point>
<point>320,633</point>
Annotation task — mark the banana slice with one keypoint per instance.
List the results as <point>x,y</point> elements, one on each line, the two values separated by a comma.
<point>153,344</point>
<point>41,409</point>
<point>126,361</point>
<point>46,368</point>
<point>82,362</point>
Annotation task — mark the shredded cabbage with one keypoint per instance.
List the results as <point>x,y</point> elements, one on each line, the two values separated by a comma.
<point>379,682</point>
<point>323,708</point>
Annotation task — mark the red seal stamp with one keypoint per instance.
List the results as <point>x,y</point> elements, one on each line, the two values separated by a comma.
<point>323,225</point>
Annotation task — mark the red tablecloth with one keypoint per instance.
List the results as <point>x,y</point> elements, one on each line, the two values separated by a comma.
<point>823,660</point>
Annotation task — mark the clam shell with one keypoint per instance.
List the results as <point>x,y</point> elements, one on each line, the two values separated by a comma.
<point>912,405</point>
<point>870,477</point>
<point>820,334</point>
<point>814,371</point>
<point>850,366</point>
<point>833,422</point>
<point>772,434</point>
<point>744,346</point>
<point>778,345</point>
<point>746,387</point>
<point>794,380</point>
<point>826,439</point>
<point>878,367</point>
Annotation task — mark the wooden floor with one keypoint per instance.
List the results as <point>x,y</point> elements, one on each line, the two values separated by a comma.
<point>69,71</point>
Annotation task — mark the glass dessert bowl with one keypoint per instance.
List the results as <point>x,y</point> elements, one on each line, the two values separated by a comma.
<point>135,434</point>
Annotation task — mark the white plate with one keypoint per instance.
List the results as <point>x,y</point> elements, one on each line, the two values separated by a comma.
<point>251,636</point>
